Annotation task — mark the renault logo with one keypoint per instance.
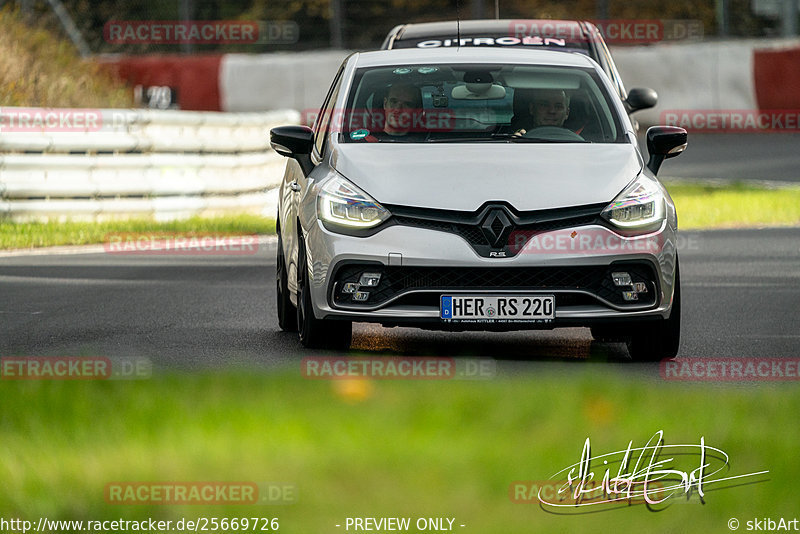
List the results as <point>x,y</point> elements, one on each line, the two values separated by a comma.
<point>496,228</point>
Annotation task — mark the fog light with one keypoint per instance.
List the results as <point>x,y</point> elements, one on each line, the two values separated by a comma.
<point>360,296</point>
<point>350,287</point>
<point>630,295</point>
<point>369,279</point>
<point>640,287</point>
<point>621,279</point>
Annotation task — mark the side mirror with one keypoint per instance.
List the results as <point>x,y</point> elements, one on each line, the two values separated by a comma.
<point>294,142</point>
<point>664,142</point>
<point>641,98</point>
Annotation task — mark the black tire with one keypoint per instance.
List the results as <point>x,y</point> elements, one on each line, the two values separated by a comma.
<point>287,312</point>
<point>660,339</point>
<point>317,333</point>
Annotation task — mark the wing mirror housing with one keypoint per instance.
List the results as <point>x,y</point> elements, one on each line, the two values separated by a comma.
<point>641,98</point>
<point>294,142</point>
<point>664,142</point>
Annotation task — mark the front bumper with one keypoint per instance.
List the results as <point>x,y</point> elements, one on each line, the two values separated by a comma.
<point>418,265</point>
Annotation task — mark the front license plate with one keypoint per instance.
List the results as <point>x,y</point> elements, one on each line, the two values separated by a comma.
<point>508,308</point>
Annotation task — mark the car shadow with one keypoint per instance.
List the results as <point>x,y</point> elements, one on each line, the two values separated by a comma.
<point>574,344</point>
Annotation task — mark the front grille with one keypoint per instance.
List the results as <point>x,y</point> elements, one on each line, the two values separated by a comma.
<point>473,235</point>
<point>467,225</point>
<point>595,279</point>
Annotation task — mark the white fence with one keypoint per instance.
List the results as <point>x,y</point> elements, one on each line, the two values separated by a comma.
<point>100,164</point>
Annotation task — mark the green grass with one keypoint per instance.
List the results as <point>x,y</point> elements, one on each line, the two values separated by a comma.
<point>31,235</point>
<point>439,449</point>
<point>734,206</point>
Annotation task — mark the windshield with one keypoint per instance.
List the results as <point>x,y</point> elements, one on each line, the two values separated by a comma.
<point>479,103</point>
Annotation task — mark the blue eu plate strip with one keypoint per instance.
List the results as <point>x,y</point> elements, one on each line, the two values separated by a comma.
<point>447,308</point>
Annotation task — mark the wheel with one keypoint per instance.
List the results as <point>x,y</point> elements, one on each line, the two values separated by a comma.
<point>287,312</point>
<point>660,339</point>
<point>317,333</point>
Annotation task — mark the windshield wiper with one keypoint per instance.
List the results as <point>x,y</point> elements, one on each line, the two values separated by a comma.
<point>502,137</point>
<point>461,139</point>
<point>546,140</point>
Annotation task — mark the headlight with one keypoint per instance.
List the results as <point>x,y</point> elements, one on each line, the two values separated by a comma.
<point>640,205</point>
<point>340,202</point>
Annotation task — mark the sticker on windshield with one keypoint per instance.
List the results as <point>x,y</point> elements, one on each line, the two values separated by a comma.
<point>427,70</point>
<point>359,134</point>
<point>401,70</point>
<point>489,41</point>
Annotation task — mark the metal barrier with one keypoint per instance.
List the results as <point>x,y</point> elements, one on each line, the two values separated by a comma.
<point>100,164</point>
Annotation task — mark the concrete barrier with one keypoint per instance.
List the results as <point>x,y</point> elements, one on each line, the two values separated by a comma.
<point>690,76</point>
<point>712,75</point>
<point>742,75</point>
<point>776,73</point>
<point>268,81</point>
<point>160,164</point>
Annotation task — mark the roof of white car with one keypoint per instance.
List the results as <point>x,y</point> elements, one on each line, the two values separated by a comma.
<point>472,54</point>
<point>505,27</point>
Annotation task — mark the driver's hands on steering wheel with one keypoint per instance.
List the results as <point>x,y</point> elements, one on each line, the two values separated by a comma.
<point>548,133</point>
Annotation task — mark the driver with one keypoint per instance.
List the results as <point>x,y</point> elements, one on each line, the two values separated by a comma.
<point>401,106</point>
<point>550,107</point>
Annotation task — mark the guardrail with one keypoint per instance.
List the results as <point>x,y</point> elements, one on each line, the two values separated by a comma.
<point>87,164</point>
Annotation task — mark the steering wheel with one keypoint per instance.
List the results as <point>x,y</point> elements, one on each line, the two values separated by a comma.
<point>555,133</point>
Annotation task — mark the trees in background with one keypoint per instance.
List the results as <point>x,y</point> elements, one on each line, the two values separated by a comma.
<point>364,23</point>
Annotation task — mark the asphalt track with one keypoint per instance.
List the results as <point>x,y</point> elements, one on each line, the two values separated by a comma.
<point>770,157</point>
<point>741,298</point>
<point>741,294</point>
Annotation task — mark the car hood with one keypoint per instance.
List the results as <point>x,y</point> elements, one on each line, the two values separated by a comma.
<point>465,176</point>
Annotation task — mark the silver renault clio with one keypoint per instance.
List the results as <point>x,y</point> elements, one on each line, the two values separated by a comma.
<point>477,189</point>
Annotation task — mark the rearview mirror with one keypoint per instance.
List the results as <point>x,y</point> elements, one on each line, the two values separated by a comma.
<point>664,142</point>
